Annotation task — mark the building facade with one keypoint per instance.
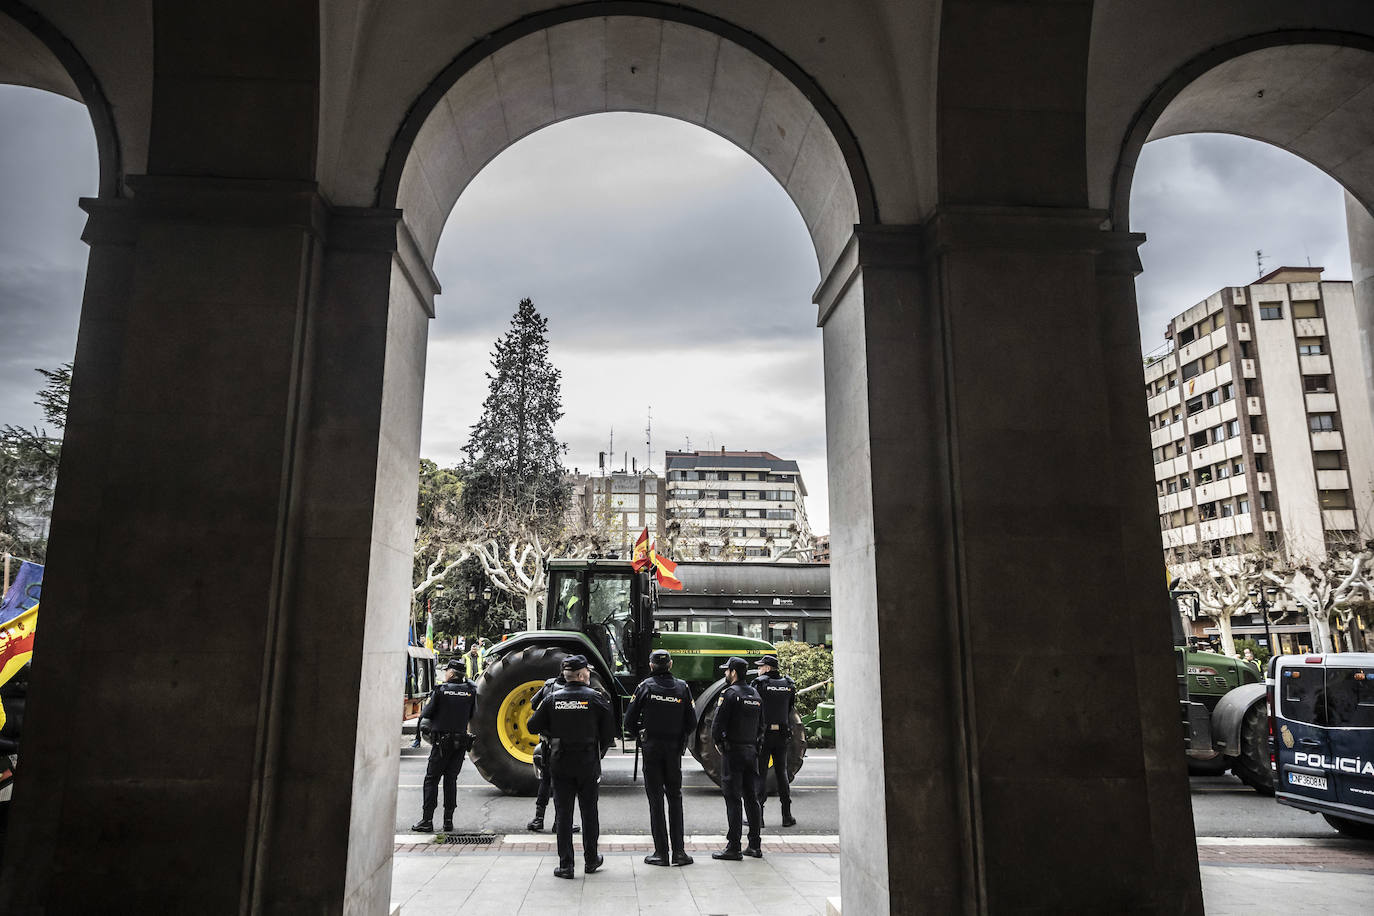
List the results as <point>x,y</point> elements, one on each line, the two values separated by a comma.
<point>736,506</point>
<point>621,504</point>
<point>1260,422</point>
<point>820,548</point>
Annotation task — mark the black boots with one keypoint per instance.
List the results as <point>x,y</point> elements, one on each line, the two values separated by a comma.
<point>537,824</point>
<point>596,864</point>
<point>787,819</point>
<point>424,825</point>
<point>728,854</point>
<point>681,858</point>
<point>657,858</point>
<point>753,852</point>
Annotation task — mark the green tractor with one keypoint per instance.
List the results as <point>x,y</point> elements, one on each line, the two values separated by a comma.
<point>1223,708</point>
<point>604,610</point>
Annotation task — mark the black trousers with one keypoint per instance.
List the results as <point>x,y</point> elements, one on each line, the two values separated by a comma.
<point>663,780</point>
<point>777,748</point>
<point>541,799</point>
<point>445,760</point>
<point>576,782</point>
<point>738,772</point>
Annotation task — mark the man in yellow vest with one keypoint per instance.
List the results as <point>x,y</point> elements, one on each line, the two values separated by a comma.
<point>473,663</point>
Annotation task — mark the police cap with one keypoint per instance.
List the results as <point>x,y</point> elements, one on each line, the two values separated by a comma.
<point>768,660</point>
<point>660,657</point>
<point>574,663</point>
<point>455,664</point>
<point>735,664</point>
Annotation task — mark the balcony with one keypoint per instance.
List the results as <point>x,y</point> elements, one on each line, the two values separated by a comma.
<point>1327,441</point>
<point>1243,330</point>
<point>1338,519</point>
<point>1247,368</point>
<point>1254,406</point>
<point>1309,327</point>
<point>1264,481</point>
<point>1333,480</point>
<point>1257,443</point>
<point>1315,364</point>
<point>1321,403</point>
<point>1271,520</point>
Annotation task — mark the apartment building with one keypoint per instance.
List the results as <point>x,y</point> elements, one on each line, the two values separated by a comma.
<point>736,506</point>
<point>620,503</point>
<point>1260,421</point>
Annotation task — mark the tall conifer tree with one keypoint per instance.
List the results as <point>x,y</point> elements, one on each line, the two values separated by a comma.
<point>514,460</point>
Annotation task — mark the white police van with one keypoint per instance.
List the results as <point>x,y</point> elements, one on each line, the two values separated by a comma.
<point>1321,728</point>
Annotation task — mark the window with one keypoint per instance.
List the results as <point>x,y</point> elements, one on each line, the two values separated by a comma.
<point>1264,501</point>
<point>1270,312</point>
<point>1316,383</point>
<point>1305,310</point>
<point>1334,499</point>
<point>1245,349</point>
<point>1251,389</point>
<point>1204,476</point>
<point>1238,469</point>
<point>1303,696</point>
<point>1195,404</point>
<point>1185,482</point>
<point>1190,369</point>
<point>1223,471</point>
<point>1199,440</point>
<point>1224,354</point>
<point>1327,461</point>
<point>1233,429</point>
<point>1173,486</point>
<point>1321,422</point>
<point>1260,463</point>
<point>1219,433</point>
<point>1311,346</point>
<point>1228,391</point>
<point>1242,507</point>
<point>1227,510</point>
<point>1207,511</point>
<point>1185,337</point>
<point>1350,697</point>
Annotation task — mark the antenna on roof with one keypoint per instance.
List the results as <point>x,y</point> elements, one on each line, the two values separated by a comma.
<point>611,451</point>
<point>649,440</point>
<point>1259,263</point>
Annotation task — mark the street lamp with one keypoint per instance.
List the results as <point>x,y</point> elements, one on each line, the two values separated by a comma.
<point>1264,604</point>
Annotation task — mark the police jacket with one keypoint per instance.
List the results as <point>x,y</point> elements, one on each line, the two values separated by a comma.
<point>575,716</point>
<point>662,710</point>
<point>451,706</point>
<point>779,695</point>
<point>551,686</point>
<point>739,717</point>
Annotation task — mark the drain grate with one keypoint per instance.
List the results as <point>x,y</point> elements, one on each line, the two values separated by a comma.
<point>466,839</point>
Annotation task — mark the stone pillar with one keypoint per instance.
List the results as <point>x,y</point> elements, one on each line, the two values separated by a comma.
<point>211,723</point>
<point>1360,234</point>
<point>1001,616</point>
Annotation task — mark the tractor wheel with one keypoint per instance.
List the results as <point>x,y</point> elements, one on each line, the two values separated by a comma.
<point>1357,830</point>
<point>704,750</point>
<point>503,751</point>
<point>1214,766</point>
<point>1252,765</point>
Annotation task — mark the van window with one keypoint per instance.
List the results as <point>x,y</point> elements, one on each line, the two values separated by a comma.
<point>1302,699</point>
<point>1350,697</point>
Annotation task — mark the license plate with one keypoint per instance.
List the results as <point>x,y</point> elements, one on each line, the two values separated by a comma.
<point>1310,782</point>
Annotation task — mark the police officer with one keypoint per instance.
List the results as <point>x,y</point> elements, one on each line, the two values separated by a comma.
<point>541,758</point>
<point>580,727</point>
<point>779,696</point>
<point>662,715</point>
<point>737,733</point>
<point>444,720</point>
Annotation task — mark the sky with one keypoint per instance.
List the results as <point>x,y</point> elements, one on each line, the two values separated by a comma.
<point>675,273</point>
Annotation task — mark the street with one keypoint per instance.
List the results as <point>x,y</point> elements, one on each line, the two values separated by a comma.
<point>1222,806</point>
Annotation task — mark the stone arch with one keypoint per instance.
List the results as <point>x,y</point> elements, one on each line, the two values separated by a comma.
<point>601,57</point>
<point>36,54</point>
<point>1297,90</point>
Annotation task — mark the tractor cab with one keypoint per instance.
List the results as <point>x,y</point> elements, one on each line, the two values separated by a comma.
<point>610,603</point>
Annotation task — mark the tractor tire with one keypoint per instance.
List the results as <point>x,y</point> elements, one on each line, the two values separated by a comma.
<point>1252,764</point>
<point>704,749</point>
<point>503,751</point>
<point>1357,830</point>
<point>1214,766</point>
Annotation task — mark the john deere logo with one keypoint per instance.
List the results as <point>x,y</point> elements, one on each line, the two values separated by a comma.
<point>1287,736</point>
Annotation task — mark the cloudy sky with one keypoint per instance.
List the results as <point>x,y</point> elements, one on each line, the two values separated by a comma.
<point>675,273</point>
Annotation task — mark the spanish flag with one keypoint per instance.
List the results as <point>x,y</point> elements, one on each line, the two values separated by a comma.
<point>16,643</point>
<point>664,569</point>
<point>643,551</point>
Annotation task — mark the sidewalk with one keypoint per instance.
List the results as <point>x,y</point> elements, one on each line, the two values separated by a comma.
<point>513,876</point>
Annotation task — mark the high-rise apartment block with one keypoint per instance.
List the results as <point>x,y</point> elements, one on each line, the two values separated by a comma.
<point>1260,421</point>
<point>736,505</point>
<point>621,504</point>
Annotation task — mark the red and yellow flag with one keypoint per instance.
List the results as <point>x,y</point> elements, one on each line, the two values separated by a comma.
<point>664,569</point>
<point>640,557</point>
<point>16,643</point>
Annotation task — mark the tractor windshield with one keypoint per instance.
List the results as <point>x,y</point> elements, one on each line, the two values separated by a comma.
<point>610,599</point>
<point>568,611</point>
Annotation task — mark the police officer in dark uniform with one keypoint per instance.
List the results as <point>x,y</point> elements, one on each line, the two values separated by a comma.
<point>580,727</point>
<point>737,733</point>
<point>541,755</point>
<point>662,715</point>
<point>779,696</point>
<point>444,720</point>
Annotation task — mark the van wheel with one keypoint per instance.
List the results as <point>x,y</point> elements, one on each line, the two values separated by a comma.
<point>1358,830</point>
<point>1252,766</point>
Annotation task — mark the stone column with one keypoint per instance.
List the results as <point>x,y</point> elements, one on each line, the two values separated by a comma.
<point>1360,233</point>
<point>991,540</point>
<point>211,723</point>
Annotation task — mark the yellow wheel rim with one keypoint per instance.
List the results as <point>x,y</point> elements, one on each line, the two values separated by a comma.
<point>512,721</point>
